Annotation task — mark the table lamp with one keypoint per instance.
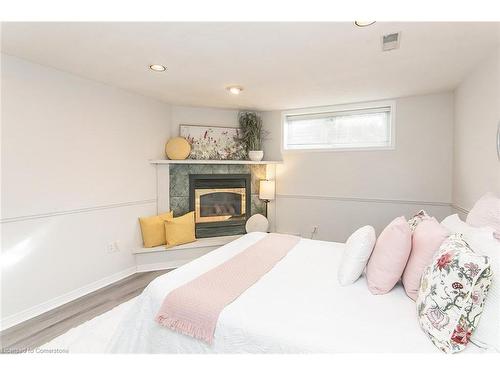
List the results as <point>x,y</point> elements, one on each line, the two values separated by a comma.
<point>267,191</point>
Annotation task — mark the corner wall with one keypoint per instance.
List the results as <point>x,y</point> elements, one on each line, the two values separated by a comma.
<point>75,178</point>
<point>339,191</point>
<point>476,168</point>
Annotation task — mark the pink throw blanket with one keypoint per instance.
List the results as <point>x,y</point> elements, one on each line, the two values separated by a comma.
<point>193,308</point>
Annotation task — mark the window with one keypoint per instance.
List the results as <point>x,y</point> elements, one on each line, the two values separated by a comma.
<point>368,126</point>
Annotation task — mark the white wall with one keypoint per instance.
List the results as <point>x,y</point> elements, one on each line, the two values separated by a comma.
<point>75,177</point>
<point>340,191</point>
<point>477,114</point>
<point>202,116</point>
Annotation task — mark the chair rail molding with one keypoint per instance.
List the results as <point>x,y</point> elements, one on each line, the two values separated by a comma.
<point>358,199</point>
<point>460,209</point>
<point>76,211</point>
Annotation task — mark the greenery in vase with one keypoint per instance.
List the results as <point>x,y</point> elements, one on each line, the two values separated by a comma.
<point>251,131</point>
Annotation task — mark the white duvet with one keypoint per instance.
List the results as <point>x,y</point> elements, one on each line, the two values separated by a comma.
<point>296,307</point>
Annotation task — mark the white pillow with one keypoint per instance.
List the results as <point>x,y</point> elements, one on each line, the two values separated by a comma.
<point>486,212</point>
<point>359,247</point>
<point>483,242</point>
<point>454,224</point>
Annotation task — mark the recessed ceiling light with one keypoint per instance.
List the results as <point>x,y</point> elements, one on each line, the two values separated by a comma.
<point>157,67</point>
<point>364,23</point>
<point>235,90</point>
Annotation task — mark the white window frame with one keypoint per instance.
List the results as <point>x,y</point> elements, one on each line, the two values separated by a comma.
<point>341,108</point>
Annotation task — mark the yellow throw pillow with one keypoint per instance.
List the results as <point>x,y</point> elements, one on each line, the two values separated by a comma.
<point>180,229</point>
<point>153,229</point>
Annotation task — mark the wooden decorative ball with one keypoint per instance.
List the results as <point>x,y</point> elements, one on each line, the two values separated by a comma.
<point>177,148</point>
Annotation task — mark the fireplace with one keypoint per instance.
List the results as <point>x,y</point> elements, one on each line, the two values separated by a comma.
<point>221,203</point>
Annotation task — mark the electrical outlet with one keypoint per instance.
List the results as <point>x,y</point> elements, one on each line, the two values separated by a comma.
<point>110,247</point>
<point>113,247</point>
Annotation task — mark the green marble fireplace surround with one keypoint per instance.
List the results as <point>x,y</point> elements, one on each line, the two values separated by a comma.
<point>179,182</point>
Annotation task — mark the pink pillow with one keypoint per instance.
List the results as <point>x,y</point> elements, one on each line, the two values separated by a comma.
<point>427,238</point>
<point>389,257</point>
<point>486,213</point>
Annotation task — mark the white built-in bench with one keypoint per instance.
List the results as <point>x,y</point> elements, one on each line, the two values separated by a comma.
<point>160,258</point>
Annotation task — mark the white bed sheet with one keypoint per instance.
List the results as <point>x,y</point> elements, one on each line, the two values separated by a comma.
<point>297,307</point>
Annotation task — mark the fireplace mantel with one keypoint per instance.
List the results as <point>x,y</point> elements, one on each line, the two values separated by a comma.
<point>160,258</point>
<point>192,161</point>
<point>164,167</point>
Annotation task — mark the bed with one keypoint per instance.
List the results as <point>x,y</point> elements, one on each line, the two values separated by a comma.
<point>297,307</point>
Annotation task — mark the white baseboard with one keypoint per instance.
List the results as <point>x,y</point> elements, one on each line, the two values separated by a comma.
<point>155,265</point>
<point>34,311</point>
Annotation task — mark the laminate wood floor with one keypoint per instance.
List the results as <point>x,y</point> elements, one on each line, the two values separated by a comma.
<point>43,328</point>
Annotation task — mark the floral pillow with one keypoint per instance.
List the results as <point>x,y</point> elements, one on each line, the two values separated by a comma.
<point>417,219</point>
<point>452,294</point>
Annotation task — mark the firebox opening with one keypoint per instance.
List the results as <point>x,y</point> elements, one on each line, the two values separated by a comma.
<point>219,204</point>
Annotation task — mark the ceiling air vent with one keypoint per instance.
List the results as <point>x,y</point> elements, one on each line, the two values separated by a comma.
<point>390,41</point>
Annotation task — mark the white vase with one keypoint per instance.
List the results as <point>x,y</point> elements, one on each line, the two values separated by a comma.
<point>256,155</point>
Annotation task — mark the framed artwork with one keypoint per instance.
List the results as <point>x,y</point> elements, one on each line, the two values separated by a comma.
<point>213,142</point>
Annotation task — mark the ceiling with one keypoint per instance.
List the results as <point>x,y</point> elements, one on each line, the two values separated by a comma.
<point>280,65</point>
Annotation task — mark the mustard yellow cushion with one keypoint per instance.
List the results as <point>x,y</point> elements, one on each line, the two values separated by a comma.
<point>153,229</point>
<point>177,148</point>
<point>180,229</point>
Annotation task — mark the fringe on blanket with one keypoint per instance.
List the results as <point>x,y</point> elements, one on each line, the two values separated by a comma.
<point>186,328</point>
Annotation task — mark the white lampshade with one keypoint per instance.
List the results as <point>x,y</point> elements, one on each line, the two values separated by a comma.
<point>266,190</point>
